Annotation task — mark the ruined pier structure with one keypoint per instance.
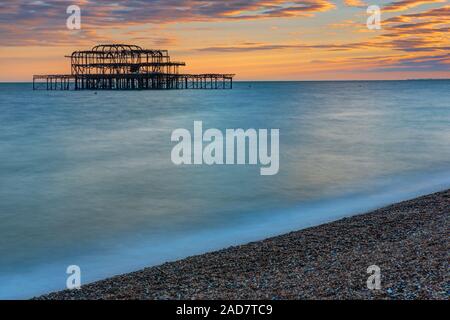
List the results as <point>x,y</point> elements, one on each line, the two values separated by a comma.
<point>128,67</point>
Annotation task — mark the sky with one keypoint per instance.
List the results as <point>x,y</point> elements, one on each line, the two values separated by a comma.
<point>255,39</point>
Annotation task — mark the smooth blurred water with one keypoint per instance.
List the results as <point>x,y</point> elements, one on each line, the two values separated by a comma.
<point>87,179</point>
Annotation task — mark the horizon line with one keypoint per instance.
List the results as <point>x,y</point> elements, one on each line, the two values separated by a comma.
<point>324,80</point>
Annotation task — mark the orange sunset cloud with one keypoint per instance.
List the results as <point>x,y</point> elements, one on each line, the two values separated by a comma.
<point>257,39</point>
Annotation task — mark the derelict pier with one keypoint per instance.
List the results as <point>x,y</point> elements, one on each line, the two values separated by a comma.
<point>128,67</point>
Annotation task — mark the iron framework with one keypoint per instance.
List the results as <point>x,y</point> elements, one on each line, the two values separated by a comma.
<point>128,67</point>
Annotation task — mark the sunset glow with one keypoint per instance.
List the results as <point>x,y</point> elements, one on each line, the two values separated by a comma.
<point>256,39</point>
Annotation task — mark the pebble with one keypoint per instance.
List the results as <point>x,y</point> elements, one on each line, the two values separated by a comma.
<point>408,241</point>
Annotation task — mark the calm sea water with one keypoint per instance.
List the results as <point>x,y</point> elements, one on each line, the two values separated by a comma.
<point>86,179</point>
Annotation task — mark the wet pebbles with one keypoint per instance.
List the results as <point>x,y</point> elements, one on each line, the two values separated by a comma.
<point>408,241</point>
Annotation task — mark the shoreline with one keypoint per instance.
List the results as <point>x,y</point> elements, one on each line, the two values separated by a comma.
<point>407,240</point>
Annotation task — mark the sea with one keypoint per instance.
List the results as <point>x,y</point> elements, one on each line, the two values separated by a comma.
<point>86,178</point>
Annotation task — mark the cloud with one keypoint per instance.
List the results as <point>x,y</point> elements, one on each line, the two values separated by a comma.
<point>249,47</point>
<point>25,22</point>
<point>387,63</point>
<point>388,41</point>
<point>245,47</point>
<point>417,63</point>
<point>406,41</point>
<point>440,13</point>
<point>355,3</point>
<point>414,42</point>
<point>408,4</point>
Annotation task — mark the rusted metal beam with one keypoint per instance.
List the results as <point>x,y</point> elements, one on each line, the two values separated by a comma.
<point>123,67</point>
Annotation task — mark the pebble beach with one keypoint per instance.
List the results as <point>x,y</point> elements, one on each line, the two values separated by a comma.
<point>408,241</point>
